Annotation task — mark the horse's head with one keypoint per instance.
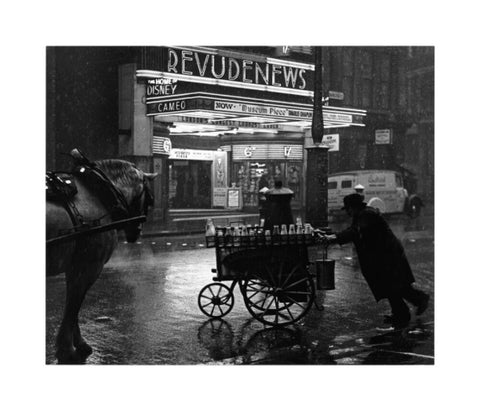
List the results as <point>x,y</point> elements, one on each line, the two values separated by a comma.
<point>135,186</point>
<point>141,201</point>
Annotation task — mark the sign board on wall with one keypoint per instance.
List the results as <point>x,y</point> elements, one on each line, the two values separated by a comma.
<point>161,145</point>
<point>336,95</point>
<point>191,154</point>
<point>332,140</point>
<point>233,198</point>
<point>383,136</point>
<point>267,151</point>
<point>219,199</point>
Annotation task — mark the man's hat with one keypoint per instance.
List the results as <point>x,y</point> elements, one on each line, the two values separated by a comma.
<point>353,201</point>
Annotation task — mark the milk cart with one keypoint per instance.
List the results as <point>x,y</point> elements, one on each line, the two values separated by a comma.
<point>272,272</point>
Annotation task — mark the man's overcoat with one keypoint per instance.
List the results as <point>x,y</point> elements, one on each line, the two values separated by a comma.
<point>381,255</point>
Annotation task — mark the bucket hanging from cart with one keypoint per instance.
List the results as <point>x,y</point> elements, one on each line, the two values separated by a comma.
<point>325,272</point>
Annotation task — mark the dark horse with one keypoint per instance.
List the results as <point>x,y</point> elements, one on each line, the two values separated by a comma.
<point>83,258</point>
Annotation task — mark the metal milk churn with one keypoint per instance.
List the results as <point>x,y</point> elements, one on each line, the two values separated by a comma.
<point>278,210</point>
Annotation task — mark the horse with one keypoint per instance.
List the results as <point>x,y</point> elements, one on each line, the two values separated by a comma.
<point>82,258</point>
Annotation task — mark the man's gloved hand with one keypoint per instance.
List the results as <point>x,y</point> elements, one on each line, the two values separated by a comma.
<point>327,239</point>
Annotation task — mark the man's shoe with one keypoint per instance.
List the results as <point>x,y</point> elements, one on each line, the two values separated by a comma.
<point>397,323</point>
<point>423,305</point>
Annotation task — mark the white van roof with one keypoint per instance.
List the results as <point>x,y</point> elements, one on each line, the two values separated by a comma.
<point>362,171</point>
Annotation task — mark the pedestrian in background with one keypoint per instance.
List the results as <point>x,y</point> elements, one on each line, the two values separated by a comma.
<point>382,260</point>
<point>359,189</point>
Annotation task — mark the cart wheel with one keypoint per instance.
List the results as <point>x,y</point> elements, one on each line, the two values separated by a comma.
<point>281,295</point>
<point>215,300</point>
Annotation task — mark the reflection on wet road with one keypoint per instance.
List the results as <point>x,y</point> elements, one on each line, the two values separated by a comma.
<point>143,310</point>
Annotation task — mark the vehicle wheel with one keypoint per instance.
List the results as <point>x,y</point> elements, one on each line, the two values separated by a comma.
<point>215,300</point>
<point>281,295</point>
<point>378,204</point>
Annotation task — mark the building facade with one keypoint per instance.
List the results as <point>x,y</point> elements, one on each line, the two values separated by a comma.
<point>218,124</point>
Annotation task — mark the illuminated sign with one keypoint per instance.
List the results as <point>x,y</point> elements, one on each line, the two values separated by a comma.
<point>241,69</point>
<point>334,117</point>
<point>248,151</point>
<point>266,152</point>
<point>168,107</point>
<point>198,66</point>
<point>161,86</point>
<point>192,154</point>
<point>262,110</point>
<point>161,145</point>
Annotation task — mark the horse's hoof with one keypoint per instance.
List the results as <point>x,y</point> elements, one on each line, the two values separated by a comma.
<point>69,356</point>
<point>84,350</point>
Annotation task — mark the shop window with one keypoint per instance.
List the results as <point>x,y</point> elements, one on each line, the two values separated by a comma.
<point>190,184</point>
<point>251,176</point>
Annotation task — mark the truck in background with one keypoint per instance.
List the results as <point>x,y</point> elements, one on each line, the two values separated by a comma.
<point>383,190</point>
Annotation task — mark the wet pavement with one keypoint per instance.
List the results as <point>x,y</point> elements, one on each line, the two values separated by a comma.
<point>143,310</point>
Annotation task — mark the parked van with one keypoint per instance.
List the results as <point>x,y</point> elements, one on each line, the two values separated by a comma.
<point>383,190</point>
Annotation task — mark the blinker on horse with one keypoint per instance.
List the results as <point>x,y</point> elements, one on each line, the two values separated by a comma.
<point>101,194</point>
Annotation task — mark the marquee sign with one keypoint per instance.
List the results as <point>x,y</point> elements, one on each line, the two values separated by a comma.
<point>160,87</point>
<point>262,110</point>
<point>231,69</point>
<point>267,152</point>
<point>157,106</point>
<point>238,68</point>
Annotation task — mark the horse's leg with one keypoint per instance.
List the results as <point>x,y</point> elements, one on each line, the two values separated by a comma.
<point>79,280</point>
<point>83,348</point>
<point>65,350</point>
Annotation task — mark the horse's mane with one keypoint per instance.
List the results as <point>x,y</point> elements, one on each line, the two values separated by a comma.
<point>122,173</point>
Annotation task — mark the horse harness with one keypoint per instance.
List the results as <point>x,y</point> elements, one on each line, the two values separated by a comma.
<point>61,188</point>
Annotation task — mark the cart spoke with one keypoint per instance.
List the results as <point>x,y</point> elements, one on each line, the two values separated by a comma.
<point>285,316</point>
<point>305,279</point>
<point>295,301</point>
<point>267,308</point>
<point>225,300</point>
<point>291,273</point>
<point>269,271</point>
<point>277,308</point>
<point>280,270</point>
